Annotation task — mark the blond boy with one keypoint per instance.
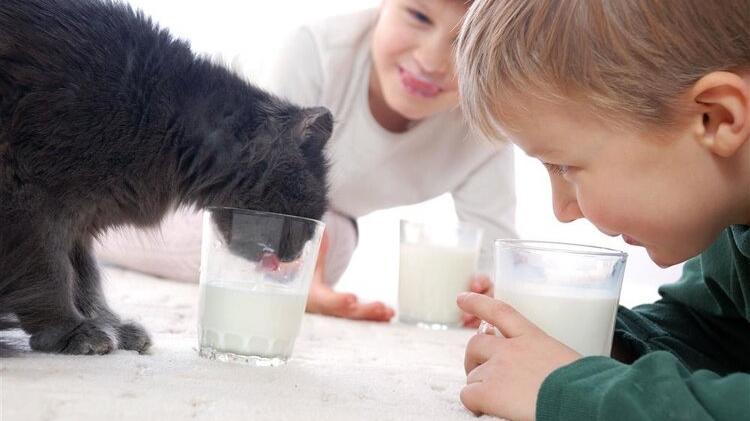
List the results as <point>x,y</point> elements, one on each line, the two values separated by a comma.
<point>640,110</point>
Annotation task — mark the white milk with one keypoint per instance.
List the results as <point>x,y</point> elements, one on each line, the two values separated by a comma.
<point>247,322</point>
<point>430,279</point>
<point>585,323</point>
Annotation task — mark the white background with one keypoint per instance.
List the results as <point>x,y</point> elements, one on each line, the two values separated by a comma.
<point>253,29</point>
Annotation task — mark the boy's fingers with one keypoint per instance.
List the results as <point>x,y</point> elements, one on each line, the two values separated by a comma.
<point>505,318</point>
<point>481,284</point>
<point>476,375</point>
<point>472,396</point>
<point>479,349</point>
<point>470,321</point>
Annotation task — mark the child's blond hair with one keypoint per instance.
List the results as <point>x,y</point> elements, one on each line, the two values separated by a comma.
<point>625,58</point>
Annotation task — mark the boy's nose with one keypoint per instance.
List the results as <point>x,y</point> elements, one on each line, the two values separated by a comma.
<point>564,202</point>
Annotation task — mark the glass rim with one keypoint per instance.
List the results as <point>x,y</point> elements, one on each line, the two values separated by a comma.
<point>459,225</point>
<point>265,213</point>
<point>560,247</point>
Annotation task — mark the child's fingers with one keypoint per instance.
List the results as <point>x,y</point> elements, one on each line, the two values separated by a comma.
<point>481,284</point>
<point>473,396</point>
<point>325,300</point>
<point>477,375</point>
<point>470,321</point>
<point>479,349</point>
<point>505,318</point>
<point>375,311</point>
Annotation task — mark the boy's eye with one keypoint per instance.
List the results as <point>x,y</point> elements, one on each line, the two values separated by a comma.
<point>419,16</point>
<point>555,169</point>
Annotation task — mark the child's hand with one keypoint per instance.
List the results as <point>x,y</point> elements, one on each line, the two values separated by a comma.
<point>504,374</point>
<point>480,284</point>
<point>324,300</point>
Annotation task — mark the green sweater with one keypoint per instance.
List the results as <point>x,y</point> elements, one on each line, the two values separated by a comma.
<point>693,349</point>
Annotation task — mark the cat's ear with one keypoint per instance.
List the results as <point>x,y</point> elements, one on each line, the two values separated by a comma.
<point>314,127</point>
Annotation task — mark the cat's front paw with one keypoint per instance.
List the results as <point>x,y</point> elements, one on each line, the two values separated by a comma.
<point>132,336</point>
<point>89,337</point>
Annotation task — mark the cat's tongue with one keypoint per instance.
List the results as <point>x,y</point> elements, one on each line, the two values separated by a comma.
<point>270,262</point>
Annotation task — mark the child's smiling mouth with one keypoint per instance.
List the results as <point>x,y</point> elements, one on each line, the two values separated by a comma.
<point>418,85</point>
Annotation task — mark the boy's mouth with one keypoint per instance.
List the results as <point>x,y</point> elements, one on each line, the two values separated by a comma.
<point>417,85</point>
<point>630,240</point>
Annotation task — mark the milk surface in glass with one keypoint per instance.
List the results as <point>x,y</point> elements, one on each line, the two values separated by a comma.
<point>430,279</point>
<point>570,291</point>
<point>251,302</point>
<point>263,322</point>
<point>436,263</point>
<point>582,322</point>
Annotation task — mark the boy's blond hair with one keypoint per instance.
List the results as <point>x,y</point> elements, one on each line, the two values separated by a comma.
<point>629,59</point>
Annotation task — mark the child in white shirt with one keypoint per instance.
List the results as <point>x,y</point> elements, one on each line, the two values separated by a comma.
<point>388,77</point>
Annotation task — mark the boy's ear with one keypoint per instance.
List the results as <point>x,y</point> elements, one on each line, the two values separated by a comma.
<point>723,100</point>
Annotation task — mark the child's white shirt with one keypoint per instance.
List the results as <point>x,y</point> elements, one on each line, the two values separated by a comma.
<point>329,64</point>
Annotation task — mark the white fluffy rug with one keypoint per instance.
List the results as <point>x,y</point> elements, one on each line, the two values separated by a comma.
<point>340,370</point>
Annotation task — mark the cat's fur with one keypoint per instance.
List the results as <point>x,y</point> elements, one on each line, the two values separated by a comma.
<point>106,120</point>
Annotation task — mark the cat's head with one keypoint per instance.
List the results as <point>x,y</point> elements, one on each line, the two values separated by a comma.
<point>294,170</point>
<point>295,178</point>
<point>285,171</point>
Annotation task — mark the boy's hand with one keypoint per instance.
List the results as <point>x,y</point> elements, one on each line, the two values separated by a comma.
<point>504,374</point>
<point>324,300</point>
<point>480,284</point>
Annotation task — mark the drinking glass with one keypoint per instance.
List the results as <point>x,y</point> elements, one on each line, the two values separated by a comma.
<point>436,264</point>
<point>256,269</point>
<point>570,291</point>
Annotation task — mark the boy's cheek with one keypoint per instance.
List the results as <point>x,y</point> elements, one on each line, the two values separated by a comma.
<point>600,216</point>
<point>612,210</point>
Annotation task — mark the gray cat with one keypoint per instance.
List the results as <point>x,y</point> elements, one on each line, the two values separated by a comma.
<point>107,120</point>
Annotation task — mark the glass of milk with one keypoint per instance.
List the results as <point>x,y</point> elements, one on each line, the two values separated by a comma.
<point>256,269</point>
<point>436,263</point>
<point>570,291</point>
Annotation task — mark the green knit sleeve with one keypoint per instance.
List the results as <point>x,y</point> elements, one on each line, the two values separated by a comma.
<point>657,387</point>
<point>716,341</point>
<point>692,352</point>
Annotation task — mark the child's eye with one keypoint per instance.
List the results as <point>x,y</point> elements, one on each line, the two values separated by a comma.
<point>555,169</point>
<point>419,16</point>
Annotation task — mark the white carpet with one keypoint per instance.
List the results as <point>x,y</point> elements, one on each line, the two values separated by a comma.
<point>340,370</point>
